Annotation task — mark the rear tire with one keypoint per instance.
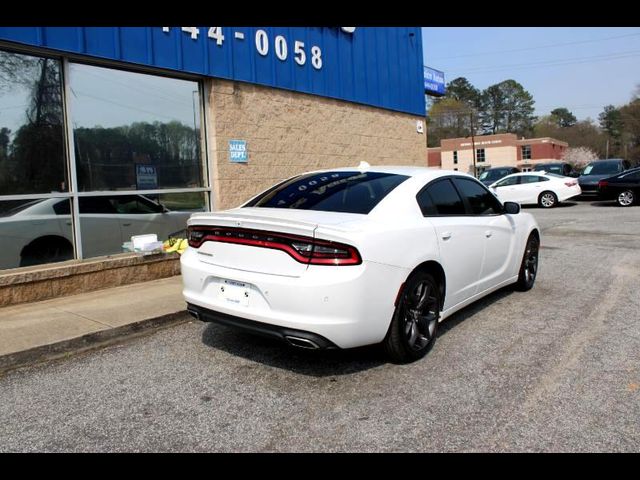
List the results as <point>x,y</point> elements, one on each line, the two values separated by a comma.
<point>626,198</point>
<point>547,200</point>
<point>414,325</point>
<point>46,250</point>
<point>529,265</point>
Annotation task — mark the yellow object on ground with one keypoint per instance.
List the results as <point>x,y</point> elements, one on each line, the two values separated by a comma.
<point>175,245</point>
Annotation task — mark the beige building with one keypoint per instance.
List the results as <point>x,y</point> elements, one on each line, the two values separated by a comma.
<point>502,150</point>
<point>109,133</point>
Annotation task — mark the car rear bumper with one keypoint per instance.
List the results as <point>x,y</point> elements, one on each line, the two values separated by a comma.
<point>297,338</point>
<point>349,306</point>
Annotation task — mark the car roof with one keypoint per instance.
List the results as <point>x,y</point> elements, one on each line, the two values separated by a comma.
<point>425,173</point>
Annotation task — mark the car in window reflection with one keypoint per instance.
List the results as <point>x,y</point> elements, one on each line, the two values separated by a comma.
<point>40,231</point>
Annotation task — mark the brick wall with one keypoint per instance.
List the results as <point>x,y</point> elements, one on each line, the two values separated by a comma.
<point>289,133</point>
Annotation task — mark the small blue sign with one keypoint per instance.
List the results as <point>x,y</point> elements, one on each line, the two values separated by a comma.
<point>434,82</point>
<point>146,177</point>
<point>238,151</point>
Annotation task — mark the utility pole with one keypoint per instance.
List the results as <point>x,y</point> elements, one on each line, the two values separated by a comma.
<point>473,144</point>
<point>607,149</point>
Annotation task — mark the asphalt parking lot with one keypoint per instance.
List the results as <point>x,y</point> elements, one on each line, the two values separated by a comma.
<point>553,369</point>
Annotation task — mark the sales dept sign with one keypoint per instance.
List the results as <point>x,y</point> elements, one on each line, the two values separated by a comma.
<point>238,151</point>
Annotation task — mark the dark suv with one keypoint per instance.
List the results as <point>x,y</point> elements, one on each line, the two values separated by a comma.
<point>559,168</point>
<point>492,175</point>
<point>596,171</point>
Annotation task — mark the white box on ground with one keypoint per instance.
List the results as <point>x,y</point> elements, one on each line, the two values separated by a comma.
<point>144,242</point>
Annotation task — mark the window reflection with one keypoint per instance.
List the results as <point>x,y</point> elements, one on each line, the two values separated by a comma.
<point>109,221</point>
<point>31,125</point>
<point>33,232</point>
<point>134,131</point>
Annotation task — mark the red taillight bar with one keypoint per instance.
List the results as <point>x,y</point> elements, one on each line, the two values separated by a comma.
<point>342,254</point>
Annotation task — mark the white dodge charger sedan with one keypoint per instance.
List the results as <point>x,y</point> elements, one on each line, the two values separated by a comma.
<point>541,188</point>
<point>356,256</point>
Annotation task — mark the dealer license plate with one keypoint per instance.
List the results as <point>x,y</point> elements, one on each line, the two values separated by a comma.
<point>235,292</point>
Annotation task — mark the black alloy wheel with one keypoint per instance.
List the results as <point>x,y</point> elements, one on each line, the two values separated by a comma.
<point>529,265</point>
<point>414,326</point>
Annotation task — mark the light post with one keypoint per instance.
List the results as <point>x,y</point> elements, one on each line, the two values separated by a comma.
<point>473,144</point>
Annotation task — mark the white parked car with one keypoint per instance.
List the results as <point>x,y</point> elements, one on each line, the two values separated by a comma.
<point>531,188</point>
<point>356,256</point>
<point>40,231</point>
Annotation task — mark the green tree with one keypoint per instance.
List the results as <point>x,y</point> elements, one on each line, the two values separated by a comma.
<point>630,116</point>
<point>582,134</point>
<point>507,107</point>
<point>447,118</point>
<point>461,89</point>
<point>612,125</point>
<point>563,117</point>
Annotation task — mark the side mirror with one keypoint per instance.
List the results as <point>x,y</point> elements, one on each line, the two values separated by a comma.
<point>511,208</point>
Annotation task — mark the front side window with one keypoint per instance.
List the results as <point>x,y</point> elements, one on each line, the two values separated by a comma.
<point>32,154</point>
<point>480,200</point>
<point>348,192</point>
<point>440,198</point>
<point>531,179</point>
<point>507,182</point>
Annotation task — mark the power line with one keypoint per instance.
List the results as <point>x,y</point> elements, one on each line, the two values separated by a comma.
<point>551,63</point>
<point>553,45</point>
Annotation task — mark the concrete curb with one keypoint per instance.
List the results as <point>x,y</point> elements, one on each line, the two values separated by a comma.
<point>90,341</point>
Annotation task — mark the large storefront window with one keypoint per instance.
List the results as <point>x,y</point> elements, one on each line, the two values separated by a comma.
<point>32,156</point>
<point>137,147</point>
<point>134,131</point>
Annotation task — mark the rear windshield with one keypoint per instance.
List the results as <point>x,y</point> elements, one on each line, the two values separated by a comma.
<point>601,168</point>
<point>349,192</point>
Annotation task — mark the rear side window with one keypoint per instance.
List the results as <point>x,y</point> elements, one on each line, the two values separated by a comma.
<point>532,179</point>
<point>349,192</point>
<point>440,198</point>
<point>480,200</point>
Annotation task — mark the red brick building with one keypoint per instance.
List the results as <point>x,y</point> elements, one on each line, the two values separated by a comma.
<point>502,150</point>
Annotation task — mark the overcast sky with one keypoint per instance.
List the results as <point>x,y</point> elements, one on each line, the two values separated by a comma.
<point>582,69</point>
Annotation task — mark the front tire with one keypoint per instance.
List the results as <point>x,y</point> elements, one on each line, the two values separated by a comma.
<point>626,198</point>
<point>547,200</point>
<point>414,325</point>
<point>529,266</point>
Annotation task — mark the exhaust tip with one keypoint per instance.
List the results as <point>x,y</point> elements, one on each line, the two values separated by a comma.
<point>302,342</point>
<point>194,313</point>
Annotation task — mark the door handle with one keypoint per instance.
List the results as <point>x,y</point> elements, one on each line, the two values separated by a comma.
<point>126,224</point>
<point>488,233</point>
<point>446,235</point>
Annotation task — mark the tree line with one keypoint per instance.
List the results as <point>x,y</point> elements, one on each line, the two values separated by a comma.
<point>507,107</point>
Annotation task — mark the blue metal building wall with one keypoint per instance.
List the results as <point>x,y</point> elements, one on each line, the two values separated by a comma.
<point>379,66</point>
